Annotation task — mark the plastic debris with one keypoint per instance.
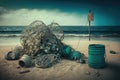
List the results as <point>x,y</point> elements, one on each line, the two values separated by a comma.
<point>66,51</point>
<point>8,55</point>
<point>112,52</point>
<point>25,61</point>
<point>82,61</point>
<point>87,73</point>
<point>14,54</point>
<point>75,55</point>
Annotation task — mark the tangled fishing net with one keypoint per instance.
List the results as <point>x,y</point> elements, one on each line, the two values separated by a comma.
<point>38,38</point>
<point>56,30</point>
<point>47,60</point>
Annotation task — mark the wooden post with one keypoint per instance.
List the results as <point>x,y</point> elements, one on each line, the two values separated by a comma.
<point>90,18</point>
<point>89,30</point>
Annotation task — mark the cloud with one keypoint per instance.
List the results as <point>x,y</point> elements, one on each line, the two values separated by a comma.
<point>3,10</point>
<point>26,16</point>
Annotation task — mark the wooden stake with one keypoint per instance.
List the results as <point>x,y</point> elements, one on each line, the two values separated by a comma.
<point>89,30</point>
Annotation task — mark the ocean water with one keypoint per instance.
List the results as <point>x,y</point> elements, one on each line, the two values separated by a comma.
<point>97,32</point>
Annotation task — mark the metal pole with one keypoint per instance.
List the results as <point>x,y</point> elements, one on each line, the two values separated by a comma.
<point>89,30</point>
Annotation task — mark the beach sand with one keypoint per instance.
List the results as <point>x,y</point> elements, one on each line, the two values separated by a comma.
<point>66,69</point>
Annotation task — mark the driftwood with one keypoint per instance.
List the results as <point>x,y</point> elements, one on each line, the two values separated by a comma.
<point>24,71</point>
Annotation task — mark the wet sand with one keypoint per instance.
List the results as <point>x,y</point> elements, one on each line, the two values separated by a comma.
<point>66,69</point>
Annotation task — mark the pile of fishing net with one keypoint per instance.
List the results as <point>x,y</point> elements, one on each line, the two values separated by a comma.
<point>42,46</point>
<point>43,43</point>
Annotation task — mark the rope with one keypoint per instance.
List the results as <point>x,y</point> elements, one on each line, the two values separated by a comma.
<point>79,37</point>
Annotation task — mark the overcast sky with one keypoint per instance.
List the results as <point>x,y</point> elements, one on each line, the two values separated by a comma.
<point>64,12</point>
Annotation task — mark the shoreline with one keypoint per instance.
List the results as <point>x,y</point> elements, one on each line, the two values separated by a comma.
<point>76,43</point>
<point>66,35</point>
<point>16,40</point>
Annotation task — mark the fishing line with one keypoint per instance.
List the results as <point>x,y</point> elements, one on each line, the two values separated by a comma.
<point>79,36</point>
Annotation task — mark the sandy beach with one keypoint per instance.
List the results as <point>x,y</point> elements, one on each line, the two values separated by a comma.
<point>66,69</point>
<point>59,39</point>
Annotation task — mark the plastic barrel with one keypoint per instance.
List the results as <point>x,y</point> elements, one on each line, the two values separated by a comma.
<point>66,50</point>
<point>75,55</point>
<point>96,56</point>
<point>25,61</point>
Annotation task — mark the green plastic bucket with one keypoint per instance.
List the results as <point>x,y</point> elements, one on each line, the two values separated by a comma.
<point>96,56</point>
<point>25,61</point>
<point>75,55</point>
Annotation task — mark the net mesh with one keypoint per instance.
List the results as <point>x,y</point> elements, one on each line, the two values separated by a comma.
<point>45,41</point>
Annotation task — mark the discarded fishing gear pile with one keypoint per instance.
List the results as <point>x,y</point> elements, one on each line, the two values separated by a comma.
<point>40,39</point>
<point>42,46</point>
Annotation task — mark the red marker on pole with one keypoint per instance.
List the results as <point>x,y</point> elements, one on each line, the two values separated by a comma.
<point>90,18</point>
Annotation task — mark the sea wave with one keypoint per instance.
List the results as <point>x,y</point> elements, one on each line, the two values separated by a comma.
<point>10,35</point>
<point>68,35</point>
